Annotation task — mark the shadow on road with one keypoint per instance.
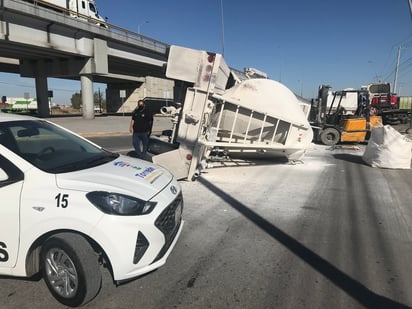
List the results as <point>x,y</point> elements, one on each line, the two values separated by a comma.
<point>350,158</point>
<point>352,287</point>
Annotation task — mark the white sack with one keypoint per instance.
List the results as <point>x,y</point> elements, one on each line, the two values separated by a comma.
<point>387,148</point>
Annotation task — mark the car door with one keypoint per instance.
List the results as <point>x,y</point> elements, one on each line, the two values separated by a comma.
<point>11,182</point>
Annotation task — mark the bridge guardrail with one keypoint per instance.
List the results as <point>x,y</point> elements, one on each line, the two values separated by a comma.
<point>130,36</point>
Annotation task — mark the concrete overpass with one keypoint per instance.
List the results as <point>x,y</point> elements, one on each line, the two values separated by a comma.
<point>39,43</point>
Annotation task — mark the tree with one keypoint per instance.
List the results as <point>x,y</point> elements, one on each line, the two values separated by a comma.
<point>76,100</point>
<point>98,100</point>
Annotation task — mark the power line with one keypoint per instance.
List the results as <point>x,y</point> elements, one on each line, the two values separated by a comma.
<point>17,85</point>
<point>32,86</point>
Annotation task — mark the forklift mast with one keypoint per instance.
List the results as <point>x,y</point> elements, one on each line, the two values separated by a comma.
<point>336,111</point>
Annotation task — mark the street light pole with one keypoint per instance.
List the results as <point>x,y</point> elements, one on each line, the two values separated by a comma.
<point>139,25</point>
<point>395,82</point>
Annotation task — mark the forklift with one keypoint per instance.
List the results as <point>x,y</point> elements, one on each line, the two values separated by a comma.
<point>332,125</point>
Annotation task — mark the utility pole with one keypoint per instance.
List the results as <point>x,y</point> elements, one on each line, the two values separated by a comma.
<point>410,7</point>
<point>395,82</point>
<point>100,101</point>
<point>409,130</point>
<point>223,28</point>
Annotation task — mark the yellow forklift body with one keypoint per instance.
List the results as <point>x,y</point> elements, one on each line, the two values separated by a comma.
<point>354,129</point>
<point>353,136</point>
<point>354,124</point>
<point>376,121</point>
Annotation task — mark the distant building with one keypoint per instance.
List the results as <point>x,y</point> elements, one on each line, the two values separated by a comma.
<point>158,89</point>
<point>21,104</point>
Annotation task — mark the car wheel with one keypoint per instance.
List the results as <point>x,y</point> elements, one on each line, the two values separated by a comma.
<point>70,269</point>
<point>330,136</point>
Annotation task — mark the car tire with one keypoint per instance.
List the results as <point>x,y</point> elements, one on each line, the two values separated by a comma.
<point>70,268</point>
<point>330,136</point>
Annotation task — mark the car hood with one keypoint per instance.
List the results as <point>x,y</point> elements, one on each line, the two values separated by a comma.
<point>124,175</point>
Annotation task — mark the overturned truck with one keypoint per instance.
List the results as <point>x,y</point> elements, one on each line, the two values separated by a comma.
<point>224,113</point>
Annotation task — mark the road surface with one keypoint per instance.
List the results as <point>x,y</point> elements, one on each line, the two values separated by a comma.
<point>329,233</point>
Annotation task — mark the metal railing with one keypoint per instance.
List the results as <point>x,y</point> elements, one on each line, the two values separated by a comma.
<point>239,127</point>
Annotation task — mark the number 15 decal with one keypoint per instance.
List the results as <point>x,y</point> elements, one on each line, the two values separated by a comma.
<point>4,256</point>
<point>62,200</point>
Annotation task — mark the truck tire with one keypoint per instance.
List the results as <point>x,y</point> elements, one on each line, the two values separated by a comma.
<point>330,136</point>
<point>70,269</point>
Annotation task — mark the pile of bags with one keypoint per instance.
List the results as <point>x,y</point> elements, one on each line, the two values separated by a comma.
<point>387,148</point>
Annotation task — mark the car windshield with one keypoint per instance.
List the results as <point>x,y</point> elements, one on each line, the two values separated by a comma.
<point>51,148</point>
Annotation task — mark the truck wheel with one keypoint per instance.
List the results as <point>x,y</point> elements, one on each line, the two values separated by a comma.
<point>70,268</point>
<point>330,136</point>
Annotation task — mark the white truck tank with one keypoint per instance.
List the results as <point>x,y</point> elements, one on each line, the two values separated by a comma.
<point>221,114</point>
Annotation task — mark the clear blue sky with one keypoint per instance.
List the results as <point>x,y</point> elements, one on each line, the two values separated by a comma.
<point>300,43</point>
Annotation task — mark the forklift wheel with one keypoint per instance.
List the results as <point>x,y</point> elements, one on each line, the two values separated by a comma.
<point>330,136</point>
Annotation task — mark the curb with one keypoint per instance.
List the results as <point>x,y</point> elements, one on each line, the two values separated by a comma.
<point>102,134</point>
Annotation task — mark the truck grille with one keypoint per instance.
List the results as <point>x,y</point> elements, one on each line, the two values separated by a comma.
<point>169,222</point>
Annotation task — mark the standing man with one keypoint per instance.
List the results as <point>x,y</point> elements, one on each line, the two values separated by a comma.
<point>141,127</point>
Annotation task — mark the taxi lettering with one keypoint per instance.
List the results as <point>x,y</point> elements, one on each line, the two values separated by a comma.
<point>146,172</point>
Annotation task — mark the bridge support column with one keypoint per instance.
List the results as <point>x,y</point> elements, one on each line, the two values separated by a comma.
<point>87,96</point>
<point>43,108</point>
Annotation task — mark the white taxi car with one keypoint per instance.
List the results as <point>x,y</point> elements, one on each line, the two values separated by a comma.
<point>69,207</point>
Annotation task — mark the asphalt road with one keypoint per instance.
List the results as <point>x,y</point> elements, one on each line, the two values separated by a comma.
<point>118,143</point>
<point>329,233</point>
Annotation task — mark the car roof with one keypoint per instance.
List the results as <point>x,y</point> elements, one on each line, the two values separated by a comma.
<point>13,117</point>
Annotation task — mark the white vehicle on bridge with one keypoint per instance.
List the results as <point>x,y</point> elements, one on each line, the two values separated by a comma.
<point>69,207</point>
<point>85,9</point>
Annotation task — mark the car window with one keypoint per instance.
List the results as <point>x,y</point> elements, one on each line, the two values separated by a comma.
<point>7,140</point>
<point>51,148</point>
<point>9,173</point>
<point>3,175</point>
<point>92,8</point>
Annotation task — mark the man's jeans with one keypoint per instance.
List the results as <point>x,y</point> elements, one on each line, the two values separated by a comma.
<point>140,144</point>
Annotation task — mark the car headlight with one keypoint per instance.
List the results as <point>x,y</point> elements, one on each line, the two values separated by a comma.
<point>120,204</point>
